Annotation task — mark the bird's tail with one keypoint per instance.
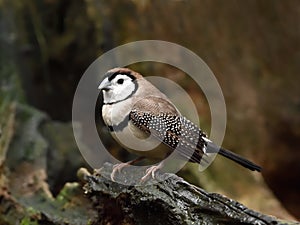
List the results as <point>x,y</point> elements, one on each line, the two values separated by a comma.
<point>212,148</point>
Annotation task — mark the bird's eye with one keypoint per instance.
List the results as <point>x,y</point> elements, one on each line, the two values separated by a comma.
<point>120,81</point>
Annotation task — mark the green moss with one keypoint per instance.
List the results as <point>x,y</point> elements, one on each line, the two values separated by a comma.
<point>28,221</point>
<point>31,218</point>
<point>69,190</point>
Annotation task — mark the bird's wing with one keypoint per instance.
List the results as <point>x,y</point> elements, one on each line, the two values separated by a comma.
<point>160,118</point>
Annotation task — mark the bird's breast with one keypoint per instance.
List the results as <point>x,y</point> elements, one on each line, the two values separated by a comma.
<point>115,114</point>
<point>137,142</point>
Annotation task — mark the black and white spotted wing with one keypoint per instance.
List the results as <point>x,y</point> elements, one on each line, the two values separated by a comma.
<point>158,117</point>
<point>175,131</point>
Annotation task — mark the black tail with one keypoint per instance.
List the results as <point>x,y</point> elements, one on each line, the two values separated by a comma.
<point>212,148</point>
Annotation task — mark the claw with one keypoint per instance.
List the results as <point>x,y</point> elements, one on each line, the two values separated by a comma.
<point>151,172</point>
<point>117,168</point>
<point>120,166</point>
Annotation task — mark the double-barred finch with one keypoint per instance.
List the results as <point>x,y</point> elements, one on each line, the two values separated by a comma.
<point>140,117</point>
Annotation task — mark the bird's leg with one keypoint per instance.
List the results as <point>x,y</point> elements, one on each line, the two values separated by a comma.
<point>120,166</point>
<point>151,171</point>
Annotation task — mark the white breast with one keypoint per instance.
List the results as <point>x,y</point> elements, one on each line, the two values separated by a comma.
<point>131,137</point>
<point>116,113</point>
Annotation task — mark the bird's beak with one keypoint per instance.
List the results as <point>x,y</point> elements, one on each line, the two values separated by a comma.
<point>105,85</point>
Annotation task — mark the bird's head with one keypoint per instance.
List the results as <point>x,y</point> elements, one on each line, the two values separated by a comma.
<point>118,85</point>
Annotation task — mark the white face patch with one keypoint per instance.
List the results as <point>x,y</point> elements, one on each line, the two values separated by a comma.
<point>118,89</point>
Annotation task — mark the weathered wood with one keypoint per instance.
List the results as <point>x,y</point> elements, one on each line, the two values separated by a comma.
<point>169,201</point>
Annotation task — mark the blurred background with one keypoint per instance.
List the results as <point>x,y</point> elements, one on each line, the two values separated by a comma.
<point>252,47</point>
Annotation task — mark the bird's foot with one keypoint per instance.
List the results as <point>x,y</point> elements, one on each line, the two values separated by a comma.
<point>117,169</point>
<point>150,172</point>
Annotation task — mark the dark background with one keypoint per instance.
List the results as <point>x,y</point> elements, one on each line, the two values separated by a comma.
<point>251,46</point>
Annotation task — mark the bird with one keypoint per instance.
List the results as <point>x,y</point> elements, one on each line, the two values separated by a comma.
<point>145,122</point>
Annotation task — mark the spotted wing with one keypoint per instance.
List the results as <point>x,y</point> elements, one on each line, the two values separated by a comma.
<point>160,118</point>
